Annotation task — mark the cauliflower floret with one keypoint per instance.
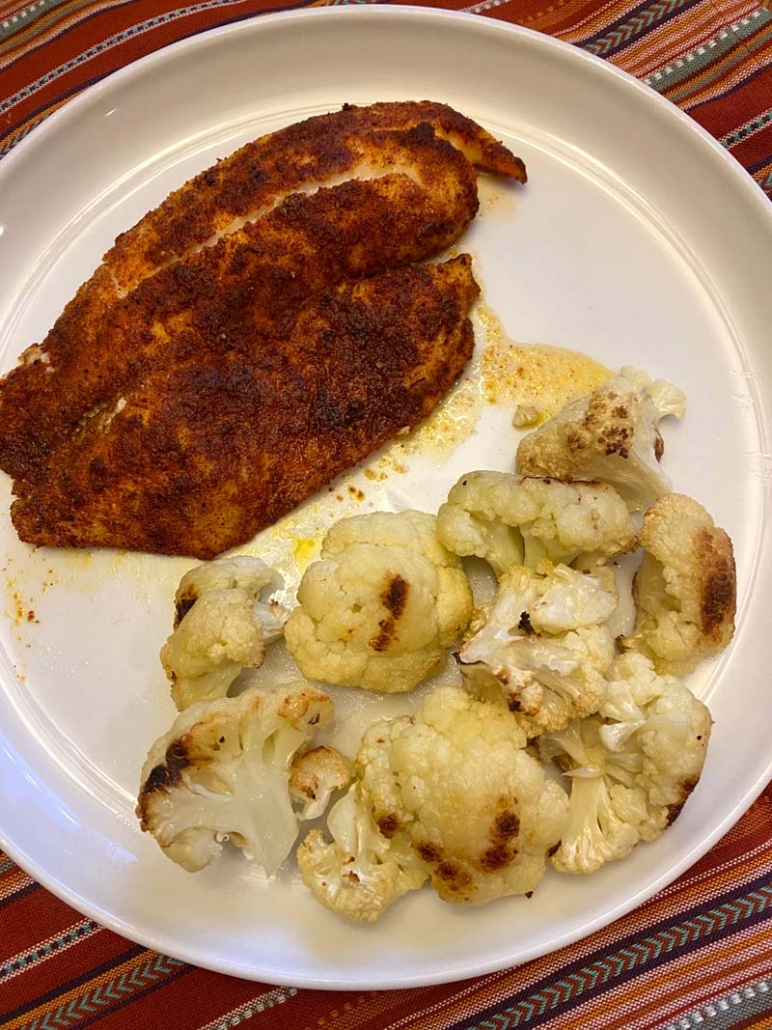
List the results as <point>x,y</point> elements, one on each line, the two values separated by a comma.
<point>610,435</point>
<point>543,647</point>
<point>358,873</point>
<point>382,606</point>
<point>314,778</point>
<point>632,766</point>
<point>512,520</point>
<point>479,810</point>
<point>222,625</point>
<point>223,770</point>
<point>449,794</point>
<point>685,588</point>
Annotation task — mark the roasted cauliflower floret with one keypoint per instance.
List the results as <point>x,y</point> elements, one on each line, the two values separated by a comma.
<point>382,606</point>
<point>223,772</point>
<point>480,811</point>
<point>314,778</point>
<point>632,766</point>
<point>513,520</point>
<point>611,435</point>
<point>543,647</point>
<point>450,794</point>
<point>360,872</point>
<point>223,622</point>
<point>685,588</point>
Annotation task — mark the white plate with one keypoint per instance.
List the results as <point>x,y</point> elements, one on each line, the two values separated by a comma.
<point>637,241</point>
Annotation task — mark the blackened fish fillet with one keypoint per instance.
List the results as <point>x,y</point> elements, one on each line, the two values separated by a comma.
<point>213,447</point>
<point>315,151</point>
<point>240,238</point>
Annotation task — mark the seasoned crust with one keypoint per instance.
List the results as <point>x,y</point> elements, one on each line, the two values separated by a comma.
<point>311,150</point>
<point>206,453</point>
<point>425,202</point>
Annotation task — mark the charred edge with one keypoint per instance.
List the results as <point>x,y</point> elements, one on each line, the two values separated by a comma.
<point>497,858</point>
<point>381,641</point>
<point>506,825</point>
<point>659,445</point>
<point>182,606</point>
<point>394,597</point>
<point>717,604</point>
<point>616,440</point>
<point>674,810</point>
<point>428,852</point>
<point>524,625</point>
<point>164,776</point>
<point>388,824</point>
<point>453,876</point>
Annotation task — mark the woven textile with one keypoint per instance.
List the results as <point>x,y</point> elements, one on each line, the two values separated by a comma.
<point>698,956</point>
<point>712,59</point>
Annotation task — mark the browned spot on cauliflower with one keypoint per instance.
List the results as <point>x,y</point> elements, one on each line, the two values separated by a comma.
<point>685,588</point>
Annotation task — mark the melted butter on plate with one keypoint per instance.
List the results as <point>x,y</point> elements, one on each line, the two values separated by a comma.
<point>537,378</point>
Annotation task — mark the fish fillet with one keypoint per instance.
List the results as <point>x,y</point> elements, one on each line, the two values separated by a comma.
<point>217,227</point>
<point>213,446</point>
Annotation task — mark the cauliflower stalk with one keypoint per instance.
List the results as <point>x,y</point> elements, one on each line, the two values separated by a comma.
<point>450,794</point>
<point>543,647</point>
<point>611,435</point>
<point>632,766</point>
<point>685,587</point>
<point>382,606</point>
<point>223,772</point>
<point>223,622</point>
<point>513,520</point>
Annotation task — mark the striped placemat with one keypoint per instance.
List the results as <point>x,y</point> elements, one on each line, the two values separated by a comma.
<point>696,957</point>
<point>714,60</point>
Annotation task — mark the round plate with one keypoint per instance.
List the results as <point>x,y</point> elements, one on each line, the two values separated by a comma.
<point>637,241</point>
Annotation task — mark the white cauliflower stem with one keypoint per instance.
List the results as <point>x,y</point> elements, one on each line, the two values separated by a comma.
<point>222,625</point>
<point>508,520</point>
<point>450,794</point>
<point>685,588</point>
<point>223,771</point>
<point>611,435</point>
<point>632,766</point>
<point>382,606</point>
<point>543,647</point>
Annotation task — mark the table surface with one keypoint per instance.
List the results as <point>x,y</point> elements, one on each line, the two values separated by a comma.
<point>698,956</point>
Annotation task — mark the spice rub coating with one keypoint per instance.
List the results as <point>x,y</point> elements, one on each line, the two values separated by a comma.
<point>208,450</point>
<point>414,194</point>
<point>307,153</point>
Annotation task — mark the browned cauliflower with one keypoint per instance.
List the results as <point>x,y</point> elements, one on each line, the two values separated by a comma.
<point>382,606</point>
<point>685,588</point>
<point>544,645</point>
<point>632,766</point>
<point>450,794</point>
<point>513,520</point>
<point>223,772</point>
<point>224,618</point>
<point>314,777</point>
<point>611,435</point>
